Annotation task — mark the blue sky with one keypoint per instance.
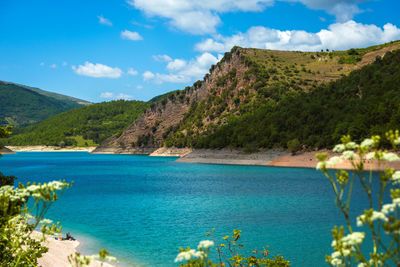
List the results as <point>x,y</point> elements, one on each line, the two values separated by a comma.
<point>137,49</point>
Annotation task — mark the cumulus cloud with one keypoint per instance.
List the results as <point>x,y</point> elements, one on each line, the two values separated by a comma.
<point>97,70</point>
<point>196,17</point>
<point>344,10</point>
<point>132,72</point>
<point>202,17</point>
<point>42,64</point>
<point>53,66</point>
<point>134,36</point>
<point>182,71</point>
<point>162,58</point>
<point>338,36</point>
<point>64,64</point>
<point>148,75</point>
<point>104,21</point>
<point>113,96</point>
<point>176,64</point>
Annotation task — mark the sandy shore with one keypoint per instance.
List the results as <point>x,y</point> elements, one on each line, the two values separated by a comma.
<point>308,160</point>
<point>171,152</point>
<point>58,253</point>
<point>49,149</point>
<point>5,150</point>
<point>273,157</point>
<point>231,157</point>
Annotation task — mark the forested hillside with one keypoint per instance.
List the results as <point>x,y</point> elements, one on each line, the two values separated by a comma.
<point>255,98</point>
<point>365,102</point>
<point>86,126</point>
<point>21,105</point>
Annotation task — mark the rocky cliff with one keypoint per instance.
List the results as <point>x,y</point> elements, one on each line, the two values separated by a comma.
<point>147,133</point>
<point>243,80</point>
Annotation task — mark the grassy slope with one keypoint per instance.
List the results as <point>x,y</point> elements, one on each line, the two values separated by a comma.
<point>85,126</point>
<point>287,97</point>
<point>21,105</point>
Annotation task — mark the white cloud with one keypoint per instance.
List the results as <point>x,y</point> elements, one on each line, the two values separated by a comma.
<point>177,64</point>
<point>104,21</point>
<point>338,36</point>
<point>53,66</point>
<point>162,58</point>
<point>109,95</point>
<point>148,75</point>
<point>97,70</point>
<point>132,72</point>
<point>42,64</point>
<point>202,17</point>
<point>196,17</point>
<point>134,36</point>
<point>139,87</point>
<point>181,71</point>
<point>64,64</point>
<point>344,10</point>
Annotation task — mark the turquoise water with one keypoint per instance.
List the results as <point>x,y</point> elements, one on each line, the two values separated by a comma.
<point>142,209</point>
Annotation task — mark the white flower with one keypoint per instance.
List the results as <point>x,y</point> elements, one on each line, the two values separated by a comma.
<point>367,143</point>
<point>33,188</point>
<point>353,238</point>
<point>46,221</point>
<point>339,148</point>
<point>332,162</point>
<point>362,264</point>
<point>387,208</point>
<point>336,262</point>
<point>55,184</point>
<point>396,177</point>
<point>376,215</point>
<point>205,244</point>
<point>321,165</point>
<point>348,154</point>
<point>390,157</point>
<point>351,145</point>
<point>336,254</point>
<point>397,141</point>
<point>187,255</point>
<point>370,155</point>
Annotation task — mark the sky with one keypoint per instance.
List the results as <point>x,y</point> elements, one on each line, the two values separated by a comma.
<point>137,49</point>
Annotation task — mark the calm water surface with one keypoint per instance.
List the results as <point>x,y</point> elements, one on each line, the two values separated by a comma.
<point>142,209</point>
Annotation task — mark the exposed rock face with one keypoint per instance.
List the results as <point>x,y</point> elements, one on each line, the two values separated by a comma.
<point>227,80</point>
<point>145,135</point>
<point>5,150</point>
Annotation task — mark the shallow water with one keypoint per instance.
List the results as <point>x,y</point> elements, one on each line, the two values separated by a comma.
<point>142,209</point>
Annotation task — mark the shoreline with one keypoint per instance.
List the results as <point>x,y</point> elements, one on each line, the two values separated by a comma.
<point>271,157</point>
<point>58,253</point>
<point>50,149</point>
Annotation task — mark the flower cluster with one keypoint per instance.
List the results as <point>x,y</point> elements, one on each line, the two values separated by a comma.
<point>380,218</point>
<point>370,216</point>
<point>189,254</point>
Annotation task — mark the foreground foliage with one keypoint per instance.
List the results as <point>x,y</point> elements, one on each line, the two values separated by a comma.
<point>375,241</point>
<point>22,211</point>
<point>228,254</point>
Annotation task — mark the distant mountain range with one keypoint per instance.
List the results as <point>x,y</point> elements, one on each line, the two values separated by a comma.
<point>22,105</point>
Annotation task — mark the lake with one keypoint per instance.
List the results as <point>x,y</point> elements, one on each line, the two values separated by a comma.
<point>142,209</point>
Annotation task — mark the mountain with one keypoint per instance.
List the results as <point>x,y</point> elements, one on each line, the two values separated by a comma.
<point>84,126</point>
<point>22,105</point>
<point>256,98</point>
